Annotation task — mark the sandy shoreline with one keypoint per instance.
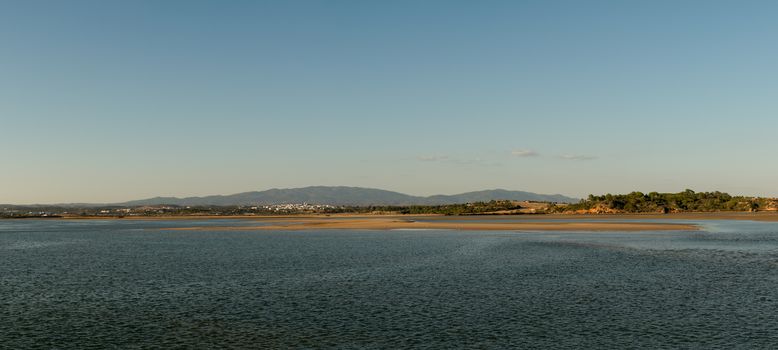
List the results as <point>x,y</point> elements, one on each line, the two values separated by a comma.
<point>758,216</point>
<point>540,222</point>
<point>406,224</point>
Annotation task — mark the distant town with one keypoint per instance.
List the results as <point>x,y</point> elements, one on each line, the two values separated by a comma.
<point>165,210</point>
<point>491,207</point>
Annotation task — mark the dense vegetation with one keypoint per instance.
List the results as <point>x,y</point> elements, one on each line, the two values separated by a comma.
<point>638,202</point>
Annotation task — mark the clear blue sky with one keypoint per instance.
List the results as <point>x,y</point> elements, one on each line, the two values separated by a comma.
<point>106,101</point>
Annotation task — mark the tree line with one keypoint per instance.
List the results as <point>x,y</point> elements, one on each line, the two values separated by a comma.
<point>653,202</point>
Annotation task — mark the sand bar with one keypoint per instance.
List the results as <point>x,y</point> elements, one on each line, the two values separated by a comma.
<point>539,222</point>
<point>693,216</point>
<point>406,224</point>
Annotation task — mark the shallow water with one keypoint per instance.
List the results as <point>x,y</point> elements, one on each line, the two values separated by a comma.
<point>81,284</point>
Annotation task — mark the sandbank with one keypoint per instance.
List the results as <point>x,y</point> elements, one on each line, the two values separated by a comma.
<point>757,216</point>
<point>406,224</point>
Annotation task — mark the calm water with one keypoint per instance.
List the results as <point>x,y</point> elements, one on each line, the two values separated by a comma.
<point>104,284</point>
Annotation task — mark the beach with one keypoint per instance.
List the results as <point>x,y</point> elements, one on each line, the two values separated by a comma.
<point>537,222</point>
<point>441,223</point>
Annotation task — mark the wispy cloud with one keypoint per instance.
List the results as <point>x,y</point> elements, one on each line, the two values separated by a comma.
<point>434,158</point>
<point>458,161</point>
<point>475,161</point>
<point>524,153</point>
<point>577,157</point>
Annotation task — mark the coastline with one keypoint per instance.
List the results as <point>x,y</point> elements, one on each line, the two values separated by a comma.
<point>722,215</point>
<point>533,222</point>
<point>408,224</point>
<point>719,215</point>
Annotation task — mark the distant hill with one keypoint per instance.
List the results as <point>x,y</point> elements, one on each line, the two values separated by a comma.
<point>341,195</point>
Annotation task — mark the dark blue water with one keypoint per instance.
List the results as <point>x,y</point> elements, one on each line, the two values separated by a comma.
<point>105,284</point>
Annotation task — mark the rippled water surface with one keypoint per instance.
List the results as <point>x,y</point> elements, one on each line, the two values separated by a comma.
<point>103,284</point>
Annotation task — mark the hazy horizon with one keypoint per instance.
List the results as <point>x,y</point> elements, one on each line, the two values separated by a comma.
<point>107,101</point>
<point>284,188</point>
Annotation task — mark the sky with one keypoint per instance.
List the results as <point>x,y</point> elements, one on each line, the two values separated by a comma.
<point>105,101</point>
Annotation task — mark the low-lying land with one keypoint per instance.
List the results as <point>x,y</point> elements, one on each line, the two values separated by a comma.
<point>538,222</point>
<point>494,207</point>
<point>399,223</point>
<point>596,213</point>
<point>722,215</point>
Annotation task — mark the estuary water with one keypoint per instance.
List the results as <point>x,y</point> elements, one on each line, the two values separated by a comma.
<point>134,284</point>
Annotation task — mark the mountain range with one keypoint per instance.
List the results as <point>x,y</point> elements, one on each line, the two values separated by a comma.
<point>342,195</point>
